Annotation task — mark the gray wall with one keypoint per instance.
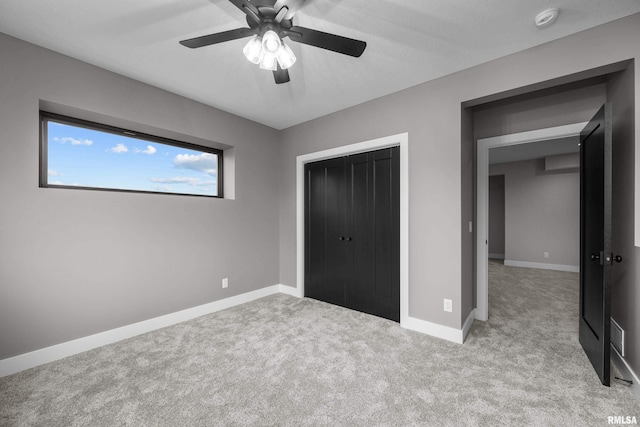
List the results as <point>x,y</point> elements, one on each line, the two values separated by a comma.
<point>542,213</point>
<point>625,291</point>
<point>496,216</point>
<point>432,115</point>
<point>75,263</point>
<point>436,117</point>
<point>566,104</point>
<point>467,215</point>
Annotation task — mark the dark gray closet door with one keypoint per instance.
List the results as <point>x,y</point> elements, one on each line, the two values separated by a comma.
<point>324,231</point>
<point>352,246</point>
<point>373,224</point>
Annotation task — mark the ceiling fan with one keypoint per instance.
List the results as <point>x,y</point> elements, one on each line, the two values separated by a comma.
<point>269,22</point>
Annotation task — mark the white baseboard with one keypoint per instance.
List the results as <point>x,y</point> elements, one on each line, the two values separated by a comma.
<point>626,371</point>
<point>468,323</point>
<point>496,256</point>
<point>49,354</point>
<point>35,358</point>
<point>542,266</point>
<point>289,290</point>
<point>434,329</point>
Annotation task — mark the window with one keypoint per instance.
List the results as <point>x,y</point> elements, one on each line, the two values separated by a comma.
<point>80,154</point>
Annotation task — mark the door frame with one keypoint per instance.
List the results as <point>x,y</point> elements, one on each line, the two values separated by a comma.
<point>482,206</point>
<point>401,140</point>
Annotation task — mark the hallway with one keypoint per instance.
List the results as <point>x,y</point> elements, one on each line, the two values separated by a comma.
<point>533,329</point>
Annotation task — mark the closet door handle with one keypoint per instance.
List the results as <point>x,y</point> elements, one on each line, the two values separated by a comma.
<point>349,239</point>
<point>341,238</point>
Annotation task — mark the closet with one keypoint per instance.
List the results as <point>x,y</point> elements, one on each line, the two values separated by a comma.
<point>352,232</point>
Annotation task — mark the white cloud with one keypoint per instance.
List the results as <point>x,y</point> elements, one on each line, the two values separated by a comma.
<point>149,150</point>
<point>204,162</point>
<point>74,184</point>
<point>120,148</point>
<point>176,180</point>
<point>73,141</point>
<point>51,172</point>
<point>196,182</point>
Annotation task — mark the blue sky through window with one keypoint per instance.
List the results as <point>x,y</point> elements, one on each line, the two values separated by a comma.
<point>84,157</point>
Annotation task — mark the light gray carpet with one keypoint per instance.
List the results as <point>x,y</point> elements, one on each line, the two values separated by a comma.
<point>299,362</point>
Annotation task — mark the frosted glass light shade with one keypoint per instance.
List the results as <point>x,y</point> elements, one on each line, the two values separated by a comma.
<point>253,50</point>
<point>285,56</point>
<point>269,51</point>
<point>269,62</point>
<point>270,42</point>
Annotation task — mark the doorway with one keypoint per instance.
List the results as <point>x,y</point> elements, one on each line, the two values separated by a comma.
<point>482,207</point>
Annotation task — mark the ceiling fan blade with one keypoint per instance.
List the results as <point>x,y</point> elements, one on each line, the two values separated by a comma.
<point>292,5</point>
<point>281,76</point>
<point>327,41</point>
<point>224,36</point>
<point>246,7</point>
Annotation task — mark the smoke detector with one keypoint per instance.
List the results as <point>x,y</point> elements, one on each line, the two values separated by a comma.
<point>547,17</point>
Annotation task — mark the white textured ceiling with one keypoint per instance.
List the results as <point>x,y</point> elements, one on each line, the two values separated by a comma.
<point>408,42</point>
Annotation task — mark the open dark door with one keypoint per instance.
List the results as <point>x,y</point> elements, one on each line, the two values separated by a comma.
<point>595,241</point>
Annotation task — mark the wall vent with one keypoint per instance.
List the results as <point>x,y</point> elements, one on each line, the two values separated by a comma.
<point>617,337</point>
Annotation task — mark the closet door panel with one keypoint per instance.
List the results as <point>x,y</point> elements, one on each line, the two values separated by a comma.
<point>373,278</point>
<point>360,251</point>
<point>384,224</point>
<point>386,232</point>
<point>324,231</point>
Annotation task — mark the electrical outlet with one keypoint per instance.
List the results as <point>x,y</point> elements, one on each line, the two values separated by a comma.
<point>225,282</point>
<point>545,254</point>
<point>448,305</point>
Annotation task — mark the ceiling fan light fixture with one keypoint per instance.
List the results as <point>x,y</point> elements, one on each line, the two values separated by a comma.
<point>269,62</point>
<point>269,22</point>
<point>285,57</point>
<point>271,42</point>
<point>253,50</point>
